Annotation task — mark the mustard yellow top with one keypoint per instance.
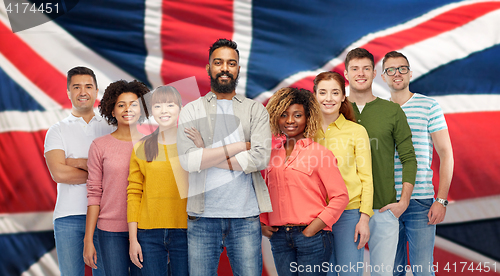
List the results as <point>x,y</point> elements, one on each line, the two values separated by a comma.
<point>157,190</point>
<point>350,144</point>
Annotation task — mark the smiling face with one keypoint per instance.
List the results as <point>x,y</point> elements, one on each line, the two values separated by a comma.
<point>166,114</point>
<point>330,97</point>
<point>223,70</point>
<point>293,122</point>
<point>82,93</point>
<point>127,110</point>
<point>360,74</point>
<point>399,81</point>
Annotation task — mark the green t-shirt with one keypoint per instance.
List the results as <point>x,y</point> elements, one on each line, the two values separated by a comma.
<point>388,130</point>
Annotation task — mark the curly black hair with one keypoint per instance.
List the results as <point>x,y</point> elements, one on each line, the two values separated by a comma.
<point>114,90</point>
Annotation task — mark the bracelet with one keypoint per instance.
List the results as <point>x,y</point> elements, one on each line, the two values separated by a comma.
<point>228,159</point>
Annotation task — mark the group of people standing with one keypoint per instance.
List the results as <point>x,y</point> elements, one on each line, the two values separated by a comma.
<point>339,172</point>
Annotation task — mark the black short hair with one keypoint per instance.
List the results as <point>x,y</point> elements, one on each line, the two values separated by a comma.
<point>80,70</point>
<point>117,88</point>
<point>222,42</point>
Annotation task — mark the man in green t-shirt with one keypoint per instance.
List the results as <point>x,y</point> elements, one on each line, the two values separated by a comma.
<point>388,130</point>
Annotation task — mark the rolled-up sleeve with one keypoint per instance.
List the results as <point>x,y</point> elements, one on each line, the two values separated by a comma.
<point>94,181</point>
<point>257,158</point>
<point>190,156</point>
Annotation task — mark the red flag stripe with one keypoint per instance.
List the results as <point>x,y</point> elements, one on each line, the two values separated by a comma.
<point>186,28</point>
<point>30,63</point>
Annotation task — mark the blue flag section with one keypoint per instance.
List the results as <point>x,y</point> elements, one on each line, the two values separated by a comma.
<point>453,48</point>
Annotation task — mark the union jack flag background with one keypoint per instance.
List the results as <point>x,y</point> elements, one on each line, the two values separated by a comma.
<point>453,48</point>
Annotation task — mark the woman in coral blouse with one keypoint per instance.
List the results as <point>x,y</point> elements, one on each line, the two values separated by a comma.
<point>307,191</point>
<point>157,193</point>
<point>108,164</point>
<point>349,142</point>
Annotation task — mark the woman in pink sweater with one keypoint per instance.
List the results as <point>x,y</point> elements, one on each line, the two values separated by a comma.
<point>108,167</point>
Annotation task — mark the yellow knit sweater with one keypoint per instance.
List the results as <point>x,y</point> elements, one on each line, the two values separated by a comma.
<point>157,190</point>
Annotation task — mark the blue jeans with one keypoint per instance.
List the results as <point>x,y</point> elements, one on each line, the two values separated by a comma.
<point>207,238</point>
<point>158,245</point>
<point>296,254</point>
<point>114,249</point>
<point>69,233</point>
<point>384,231</point>
<point>345,254</point>
<point>413,228</point>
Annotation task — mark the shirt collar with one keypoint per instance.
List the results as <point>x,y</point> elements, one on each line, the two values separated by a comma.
<point>73,118</point>
<point>211,95</point>
<point>340,121</point>
<point>302,143</point>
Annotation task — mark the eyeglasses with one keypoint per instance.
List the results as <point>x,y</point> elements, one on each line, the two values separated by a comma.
<point>391,71</point>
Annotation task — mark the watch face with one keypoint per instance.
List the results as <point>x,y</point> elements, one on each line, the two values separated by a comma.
<point>442,201</point>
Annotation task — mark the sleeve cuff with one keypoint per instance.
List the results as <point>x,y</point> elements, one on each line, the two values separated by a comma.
<point>366,210</point>
<point>94,201</point>
<point>194,160</point>
<point>243,158</point>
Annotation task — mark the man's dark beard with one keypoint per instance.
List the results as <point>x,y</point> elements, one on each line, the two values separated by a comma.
<point>224,88</point>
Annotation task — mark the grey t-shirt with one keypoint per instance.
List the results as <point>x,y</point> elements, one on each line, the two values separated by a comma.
<point>229,194</point>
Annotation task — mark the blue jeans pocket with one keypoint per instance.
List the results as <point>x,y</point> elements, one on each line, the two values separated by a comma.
<point>426,202</point>
<point>392,214</point>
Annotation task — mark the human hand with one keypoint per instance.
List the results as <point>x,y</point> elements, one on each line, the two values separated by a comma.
<point>268,231</point>
<point>436,213</point>
<point>135,253</point>
<point>397,209</point>
<point>89,254</point>
<point>193,134</point>
<point>363,230</point>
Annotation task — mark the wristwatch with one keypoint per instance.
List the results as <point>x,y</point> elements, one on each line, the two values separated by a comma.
<point>442,201</point>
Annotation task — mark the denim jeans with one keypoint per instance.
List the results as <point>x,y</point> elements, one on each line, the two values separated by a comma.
<point>413,228</point>
<point>207,238</point>
<point>114,249</point>
<point>345,253</point>
<point>158,245</point>
<point>69,233</point>
<point>384,231</point>
<point>296,254</point>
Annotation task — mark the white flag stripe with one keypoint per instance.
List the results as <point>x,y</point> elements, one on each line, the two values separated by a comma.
<point>34,91</point>
<point>474,209</point>
<point>152,39</point>
<point>59,48</point>
<point>46,265</point>
<point>26,222</point>
<point>242,22</point>
<point>30,120</point>
<point>455,37</point>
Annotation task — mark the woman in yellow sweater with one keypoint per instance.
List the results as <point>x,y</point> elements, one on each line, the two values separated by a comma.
<point>350,144</point>
<point>156,204</point>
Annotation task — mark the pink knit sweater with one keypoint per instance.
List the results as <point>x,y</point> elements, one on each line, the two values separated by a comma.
<point>108,163</point>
